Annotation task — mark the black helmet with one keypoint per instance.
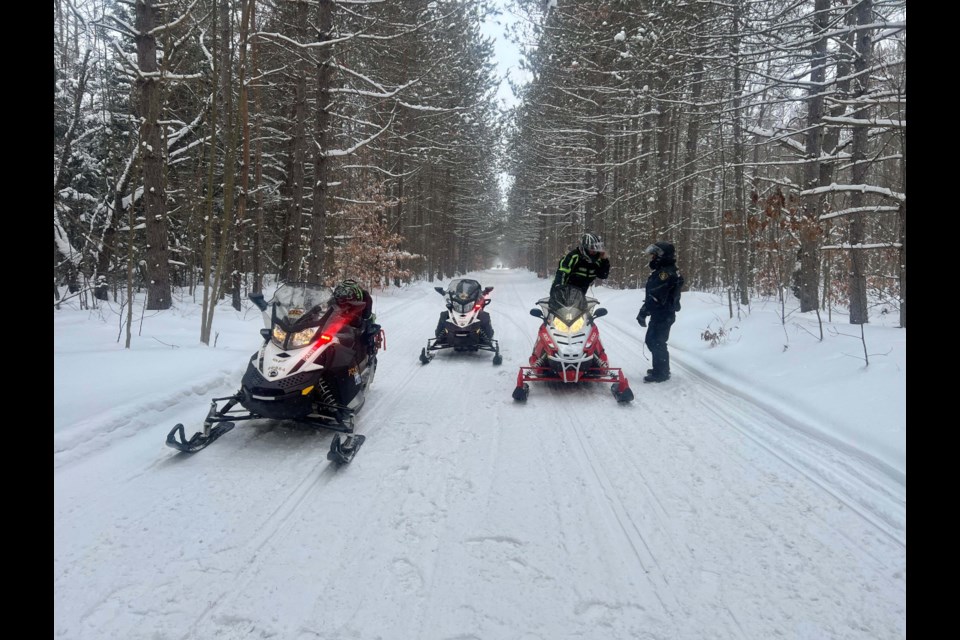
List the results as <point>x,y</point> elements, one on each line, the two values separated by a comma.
<point>590,245</point>
<point>662,251</point>
<point>348,291</point>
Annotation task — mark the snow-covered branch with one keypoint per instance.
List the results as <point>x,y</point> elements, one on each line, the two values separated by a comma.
<point>850,247</point>
<point>851,210</point>
<point>874,122</point>
<point>333,153</point>
<point>774,136</point>
<point>371,94</point>
<point>171,25</point>
<point>848,188</point>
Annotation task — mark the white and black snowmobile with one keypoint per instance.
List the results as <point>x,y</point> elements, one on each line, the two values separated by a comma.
<point>318,359</point>
<point>568,347</point>
<point>465,325</point>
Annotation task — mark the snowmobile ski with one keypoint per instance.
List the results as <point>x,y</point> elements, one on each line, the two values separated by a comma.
<point>622,396</point>
<point>200,440</point>
<point>342,450</point>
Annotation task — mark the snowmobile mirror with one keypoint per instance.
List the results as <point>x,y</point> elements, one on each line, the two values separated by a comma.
<point>440,290</point>
<point>257,299</point>
<point>597,313</point>
<point>265,333</point>
<point>487,290</point>
<point>536,313</point>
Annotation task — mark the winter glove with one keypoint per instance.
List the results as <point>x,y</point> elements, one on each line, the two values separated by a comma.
<point>642,316</point>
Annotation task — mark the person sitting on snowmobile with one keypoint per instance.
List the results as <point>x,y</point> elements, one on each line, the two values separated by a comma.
<point>462,295</point>
<point>585,263</point>
<point>349,293</point>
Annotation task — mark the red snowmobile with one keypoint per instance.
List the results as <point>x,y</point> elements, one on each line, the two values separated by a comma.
<point>568,347</point>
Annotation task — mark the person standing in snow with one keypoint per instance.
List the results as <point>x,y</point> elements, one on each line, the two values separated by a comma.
<point>585,263</point>
<point>661,303</point>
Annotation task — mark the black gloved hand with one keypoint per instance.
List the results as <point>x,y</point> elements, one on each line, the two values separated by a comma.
<point>642,320</point>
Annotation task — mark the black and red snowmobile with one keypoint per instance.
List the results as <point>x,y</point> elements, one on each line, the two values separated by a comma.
<point>318,359</point>
<point>568,347</point>
<point>465,326</point>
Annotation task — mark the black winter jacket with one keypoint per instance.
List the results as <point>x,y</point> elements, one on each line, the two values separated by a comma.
<point>575,269</point>
<point>663,287</point>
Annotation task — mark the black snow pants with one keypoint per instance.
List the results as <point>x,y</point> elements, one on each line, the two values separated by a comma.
<point>658,332</point>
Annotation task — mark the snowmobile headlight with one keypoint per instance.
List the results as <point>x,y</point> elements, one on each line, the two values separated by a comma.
<point>301,338</point>
<point>278,336</point>
<point>560,325</point>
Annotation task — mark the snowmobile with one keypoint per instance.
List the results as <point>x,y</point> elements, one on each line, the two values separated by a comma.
<point>464,326</point>
<point>316,363</point>
<point>568,347</point>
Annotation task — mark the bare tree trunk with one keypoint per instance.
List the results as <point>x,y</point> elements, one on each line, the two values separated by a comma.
<point>151,143</point>
<point>130,262</point>
<point>740,208</point>
<point>210,297</point>
<point>320,147</point>
<point>660,216</point>
<point>258,249</point>
<point>229,158</point>
<point>809,223</point>
<point>690,155</point>
<point>903,225</point>
<point>858,155</point>
<point>296,178</point>
<point>238,269</point>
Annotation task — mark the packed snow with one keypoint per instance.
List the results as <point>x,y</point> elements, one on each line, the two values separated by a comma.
<point>759,493</point>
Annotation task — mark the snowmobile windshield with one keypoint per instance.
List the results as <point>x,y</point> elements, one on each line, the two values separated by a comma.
<point>568,309</point>
<point>568,298</point>
<point>300,304</point>
<point>463,294</point>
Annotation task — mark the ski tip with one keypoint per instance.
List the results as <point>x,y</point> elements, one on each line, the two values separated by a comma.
<point>342,450</point>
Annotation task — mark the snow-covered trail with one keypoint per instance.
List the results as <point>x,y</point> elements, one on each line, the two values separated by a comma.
<point>692,512</point>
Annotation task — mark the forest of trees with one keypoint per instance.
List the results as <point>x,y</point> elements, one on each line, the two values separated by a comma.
<point>765,138</point>
<point>204,145</point>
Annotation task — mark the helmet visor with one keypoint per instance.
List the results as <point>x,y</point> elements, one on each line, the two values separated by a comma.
<point>655,250</point>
